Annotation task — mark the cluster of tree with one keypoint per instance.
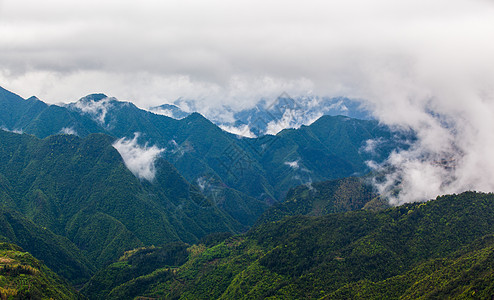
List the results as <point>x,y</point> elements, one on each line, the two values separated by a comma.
<point>24,277</point>
<point>438,249</point>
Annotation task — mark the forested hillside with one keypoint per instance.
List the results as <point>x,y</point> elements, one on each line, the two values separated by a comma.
<point>441,248</point>
<point>80,189</point>
<point>256,171</point>
<point>24,277</point>
<point>322,198</point>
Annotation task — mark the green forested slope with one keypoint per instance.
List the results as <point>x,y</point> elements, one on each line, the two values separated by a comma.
<point>256,172</point>
<point>24,277</point>
<point>438,249</point>
<point>81,189</point>
<point>60,254</point>
<point>322,198</point>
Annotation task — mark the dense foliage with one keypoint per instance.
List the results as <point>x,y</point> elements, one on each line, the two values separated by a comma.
<point>58,252</point>
<point>134,264</point>
<point>438,249</point>
<point>322,198</point>
<point>241,175</point>
<point>24,277</point>
<point>81,189</point>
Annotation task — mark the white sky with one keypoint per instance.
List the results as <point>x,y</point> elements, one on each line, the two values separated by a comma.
<point>151,52</point>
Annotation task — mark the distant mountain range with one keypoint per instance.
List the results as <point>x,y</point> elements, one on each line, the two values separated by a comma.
<point>270,116</point>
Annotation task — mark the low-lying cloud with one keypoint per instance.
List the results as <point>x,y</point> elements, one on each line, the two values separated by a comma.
<point>140,160</point>
<point>96,109</point>
<point>242,130</point>
<point>451,111</point>
<point>68,130</point>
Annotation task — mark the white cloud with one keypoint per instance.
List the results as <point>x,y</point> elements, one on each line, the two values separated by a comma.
<point>292,164</point>
<point>139,160</point>
<point>242,130</point>
<point>292,118</point>
<point>96,109</point>
<point>68,130</point>
<point>452,113</point>
<point>18,131</point>
<point>371,145</point>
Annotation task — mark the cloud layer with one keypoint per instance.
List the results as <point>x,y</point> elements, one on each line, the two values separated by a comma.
<point>153,51</point>
<point>139,160</point>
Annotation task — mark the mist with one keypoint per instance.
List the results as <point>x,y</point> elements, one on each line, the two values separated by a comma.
<point>140,160</point>
<point>450,108</point>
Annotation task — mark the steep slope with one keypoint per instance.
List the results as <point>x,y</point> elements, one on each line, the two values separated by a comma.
<point>466,274</point>
<point>57,252</point>
<point>322,198</point>
<point>134,264</point>
<point>81,189</point>
<point>16,112</point>
<point>261,170</point>
<point>398,252</point>
<point>24,277</point>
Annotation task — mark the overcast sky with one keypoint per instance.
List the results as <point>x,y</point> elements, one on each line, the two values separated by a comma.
<point>151,52</point>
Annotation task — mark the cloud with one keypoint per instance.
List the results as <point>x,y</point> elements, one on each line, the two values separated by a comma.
<point>242,130</point>
<point>292,118</point>
<point>139,160</point>
<point>97,109</point>
<point>18,131</point>
<point>451,111</point>
<point>154,52</point>
<point>292,164</point>
<point>371,145</point>
<point>68,130</point>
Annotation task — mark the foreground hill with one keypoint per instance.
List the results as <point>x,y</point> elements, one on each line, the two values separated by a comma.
<point>24,277</point>
<point>80,188</point>
<point>57,252</point>
<point>441,248</point>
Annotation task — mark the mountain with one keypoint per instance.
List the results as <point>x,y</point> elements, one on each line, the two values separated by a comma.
<point>439,249</point>
<point>255,171</point>
<point>322,198</point>
<point>134,264</point>
<point>169,110</point>
<point>57,252</point>
<point>269,116</point>
<point>24,277</point>
<point>81,189</point>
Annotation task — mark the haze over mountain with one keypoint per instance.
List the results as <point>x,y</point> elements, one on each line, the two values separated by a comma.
<point>269,116</point>
<point>263,168</point>
<point>90,187</point>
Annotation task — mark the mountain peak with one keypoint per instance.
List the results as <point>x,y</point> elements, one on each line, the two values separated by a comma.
<point>94,97</point>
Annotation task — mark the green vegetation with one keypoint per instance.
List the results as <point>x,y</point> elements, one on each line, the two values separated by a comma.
<point>132,265</point>
<point>60,254</point>
<point>71,202</point>
<point>242,176</point>
<point>438,249</point>
<point>24,277</point>
<point>322,198</point>
<point>80,189</point>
